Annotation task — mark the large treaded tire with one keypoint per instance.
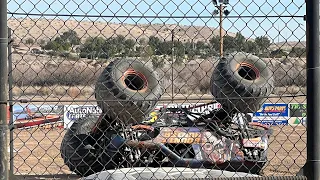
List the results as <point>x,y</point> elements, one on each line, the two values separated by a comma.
<point>77,148</point>
<point>128,90</point>
<point>234,89</point>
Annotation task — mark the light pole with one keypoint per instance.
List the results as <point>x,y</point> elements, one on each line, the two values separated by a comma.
<point>173,31</point>
<point>221,10</point>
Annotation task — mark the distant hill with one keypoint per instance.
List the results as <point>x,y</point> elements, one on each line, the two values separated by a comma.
<point>45,29</point>
<point>24,28</point>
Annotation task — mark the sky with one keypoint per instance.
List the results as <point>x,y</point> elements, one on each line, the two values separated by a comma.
<point>280,20</point>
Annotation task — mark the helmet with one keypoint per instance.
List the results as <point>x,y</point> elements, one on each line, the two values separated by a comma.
<point>153,113</point>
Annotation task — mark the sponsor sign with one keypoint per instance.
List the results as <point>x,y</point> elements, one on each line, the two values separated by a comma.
<point>298,114</point>
<point>269,109</point>
<point>296,121</point>
<point>23,111</point>
<point>26,116</point>
<point>197,107</point>
<point>74,112</point>
<point>298,109</point>
<point>271,121</point>
<point>268,114</point>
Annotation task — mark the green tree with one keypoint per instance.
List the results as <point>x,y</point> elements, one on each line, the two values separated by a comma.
<point>29,41</point>
<point>262,43</point>
<point>251,47</point>
<point>239,41</point>
<point>71,37</point>
<point>189,50</point>
<point>278,53</point>
<point>298,52</point>
<point>191,55</point>
<point>142,42</point>
<point>116,46</point>
<point>52,45</point>
<point>179,49</point>
<point>93,47</point>
<point>129,47</point>
<point>42,42</point>
<point>215,43</point>
<point>120,39</point>
<point>65,45</point>
<point>157,62</point>
<point>229,44</point>
<point>111,47</point>
<point>58,44</point>
<point>200,46</point>
<point>129,43</point>
<point>163,48</point>
<point>154,43</point>
<point>147,52</point>
<point>141,46</point>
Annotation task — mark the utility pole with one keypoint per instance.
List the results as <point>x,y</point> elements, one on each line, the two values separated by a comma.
<point>172,87</point>
<point>221,10</point>
<point>173,60</point>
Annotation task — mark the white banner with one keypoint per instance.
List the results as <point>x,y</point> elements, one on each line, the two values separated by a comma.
<point>200,109</point>
<point>74,112</point>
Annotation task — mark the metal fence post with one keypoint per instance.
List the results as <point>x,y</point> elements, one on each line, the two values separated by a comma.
<point>3,90</point>
<point>10,99</point>
<point>312,170</point>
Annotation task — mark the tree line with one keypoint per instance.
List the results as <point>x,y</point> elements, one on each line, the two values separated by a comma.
<point>119,46</point>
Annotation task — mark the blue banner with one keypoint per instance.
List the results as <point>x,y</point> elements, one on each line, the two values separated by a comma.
<point>272,122</point>
<point>269,109</point>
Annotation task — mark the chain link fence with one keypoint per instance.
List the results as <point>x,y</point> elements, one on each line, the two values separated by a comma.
<point>102,85</point>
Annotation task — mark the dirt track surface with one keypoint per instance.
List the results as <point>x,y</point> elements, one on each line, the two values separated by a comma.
<point>37,153</point>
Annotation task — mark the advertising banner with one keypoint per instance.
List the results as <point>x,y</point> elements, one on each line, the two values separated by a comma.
<point>197,107</point>
<point>64,115</point>
<point>298,114</point>
<point>298,109</point>
<point>272,114</point>
<point>271,121</point>
<point>26,116</point>
<point>74,112</point>
<point>297,121</point>
<point>269,113</point>
<point>270,109</point>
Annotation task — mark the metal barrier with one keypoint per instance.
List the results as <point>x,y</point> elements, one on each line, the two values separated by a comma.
<point>202,85</point>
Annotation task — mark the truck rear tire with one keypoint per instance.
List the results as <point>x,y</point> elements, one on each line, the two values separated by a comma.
<point>241,81</point>
<point>128,90</point>
<point>82,150</point>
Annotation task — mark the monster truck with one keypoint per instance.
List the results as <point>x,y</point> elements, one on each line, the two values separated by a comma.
<point>127,91</point>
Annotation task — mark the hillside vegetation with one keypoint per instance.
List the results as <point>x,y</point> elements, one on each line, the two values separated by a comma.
<point>75,58</point>
<point>40,75</point>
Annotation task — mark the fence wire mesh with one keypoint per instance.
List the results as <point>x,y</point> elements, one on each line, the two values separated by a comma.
<point>197,88</point>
